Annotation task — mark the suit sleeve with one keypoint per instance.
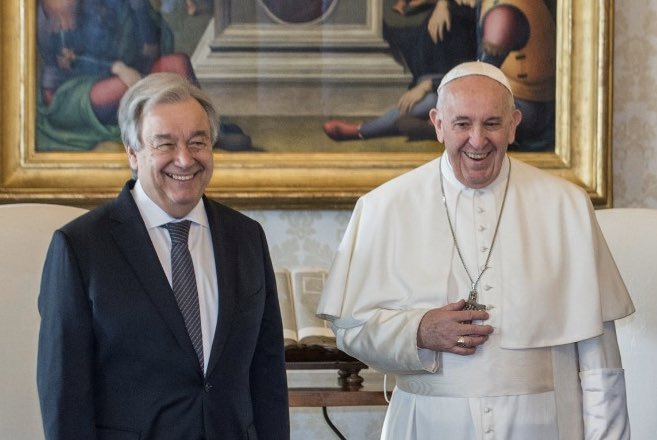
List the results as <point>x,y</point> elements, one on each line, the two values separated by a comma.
<point>268,376</point>
<point>65,352</point>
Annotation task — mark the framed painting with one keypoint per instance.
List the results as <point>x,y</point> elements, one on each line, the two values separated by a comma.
<point>278,74</point>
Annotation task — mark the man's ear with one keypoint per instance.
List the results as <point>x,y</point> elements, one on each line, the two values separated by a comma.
<point>132,156</point>
<point>437,122</point>
<point>516,118</point>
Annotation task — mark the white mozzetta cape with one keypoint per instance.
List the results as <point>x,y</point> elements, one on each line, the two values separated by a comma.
<point>559,280</point>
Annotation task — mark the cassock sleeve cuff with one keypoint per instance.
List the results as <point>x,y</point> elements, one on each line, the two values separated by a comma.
<point>605,404</point>
<point>428,359</point>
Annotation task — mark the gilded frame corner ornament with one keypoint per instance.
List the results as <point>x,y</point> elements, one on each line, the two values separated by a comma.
<point>582,152</point>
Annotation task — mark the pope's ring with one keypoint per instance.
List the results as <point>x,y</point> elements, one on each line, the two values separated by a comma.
<point>460,342</point>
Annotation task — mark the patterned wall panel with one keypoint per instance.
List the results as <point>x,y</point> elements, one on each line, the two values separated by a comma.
<point>635,104</point>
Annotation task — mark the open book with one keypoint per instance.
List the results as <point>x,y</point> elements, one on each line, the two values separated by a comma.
<point>298,295</point>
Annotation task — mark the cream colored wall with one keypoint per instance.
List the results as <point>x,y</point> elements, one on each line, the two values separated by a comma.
<point>309,238</point>
<point>635,104</point>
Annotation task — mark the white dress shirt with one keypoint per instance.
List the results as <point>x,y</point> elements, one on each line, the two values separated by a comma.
<point>201,250</point>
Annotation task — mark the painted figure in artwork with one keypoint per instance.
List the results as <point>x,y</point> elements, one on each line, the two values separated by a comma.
<point>428,38</point>
<point>91,52</point>
<point>518,36</point>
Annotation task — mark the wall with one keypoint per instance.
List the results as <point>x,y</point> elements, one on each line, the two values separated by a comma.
<point>635,104</point>
<point>309,238</point>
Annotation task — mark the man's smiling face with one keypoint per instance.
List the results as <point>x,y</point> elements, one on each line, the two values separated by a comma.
<point>476,121</point>
<point>175,163</point>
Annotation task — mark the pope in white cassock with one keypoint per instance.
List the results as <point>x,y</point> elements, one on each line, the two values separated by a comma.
<point>485,285</point>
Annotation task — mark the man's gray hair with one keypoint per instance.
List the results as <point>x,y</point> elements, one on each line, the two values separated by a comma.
<point>159,88</point>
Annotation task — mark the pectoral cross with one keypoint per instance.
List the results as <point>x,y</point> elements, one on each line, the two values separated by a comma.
<point>471,303</point>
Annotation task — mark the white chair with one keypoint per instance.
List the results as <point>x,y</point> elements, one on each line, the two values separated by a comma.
<point>632,238</point>
<point>25,233</point>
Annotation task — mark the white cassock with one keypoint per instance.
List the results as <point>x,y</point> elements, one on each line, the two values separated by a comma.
<point>551,369</point>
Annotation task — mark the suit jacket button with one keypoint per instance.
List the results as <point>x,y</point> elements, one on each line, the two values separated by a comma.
<point>207,387</point>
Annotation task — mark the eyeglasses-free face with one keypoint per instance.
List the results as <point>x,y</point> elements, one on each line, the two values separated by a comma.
<point>176,163</point>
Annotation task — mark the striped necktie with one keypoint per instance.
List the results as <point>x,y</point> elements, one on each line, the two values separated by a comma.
<point>184,283</point>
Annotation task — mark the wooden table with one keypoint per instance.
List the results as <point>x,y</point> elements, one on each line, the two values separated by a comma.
<point>325,397</point>
<point>347,392</point>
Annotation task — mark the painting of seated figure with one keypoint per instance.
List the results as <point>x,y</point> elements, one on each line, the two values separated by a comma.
<point>90,52</point>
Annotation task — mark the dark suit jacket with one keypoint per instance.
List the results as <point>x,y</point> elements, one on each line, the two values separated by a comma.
<point>115,360</point>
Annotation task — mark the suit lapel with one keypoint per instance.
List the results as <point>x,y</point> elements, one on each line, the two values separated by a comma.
<point>225,250</point>
<point>131,236</point>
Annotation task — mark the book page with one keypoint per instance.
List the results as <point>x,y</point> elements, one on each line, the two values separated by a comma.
<point>286,304</point>
<point>307,285</point>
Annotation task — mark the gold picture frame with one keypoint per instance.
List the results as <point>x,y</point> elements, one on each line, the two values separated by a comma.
<point>582,153</point>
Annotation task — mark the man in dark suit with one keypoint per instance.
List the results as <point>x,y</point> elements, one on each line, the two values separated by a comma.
<point>125,351</point>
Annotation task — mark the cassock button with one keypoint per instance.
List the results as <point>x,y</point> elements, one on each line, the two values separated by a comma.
<point>207,387</point>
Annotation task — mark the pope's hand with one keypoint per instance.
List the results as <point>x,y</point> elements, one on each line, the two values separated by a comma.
<point>441,329</point>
